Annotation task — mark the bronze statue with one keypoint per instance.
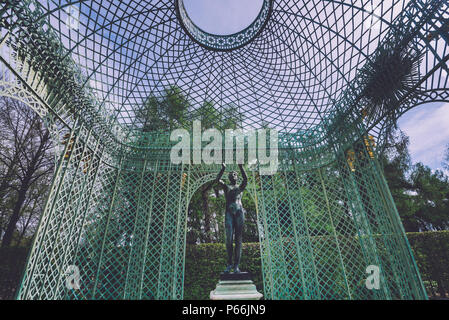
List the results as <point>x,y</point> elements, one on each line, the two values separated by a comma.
<point>235,215</point>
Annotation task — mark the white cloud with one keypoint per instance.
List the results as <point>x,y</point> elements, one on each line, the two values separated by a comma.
<point>428,129</point>
<point>223,17</point>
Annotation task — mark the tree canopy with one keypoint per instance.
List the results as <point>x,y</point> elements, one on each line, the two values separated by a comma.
<point>420,193</point>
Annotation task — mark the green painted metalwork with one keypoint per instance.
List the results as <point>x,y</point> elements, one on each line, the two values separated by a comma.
<point>224,42</point>
<point>117,207</point>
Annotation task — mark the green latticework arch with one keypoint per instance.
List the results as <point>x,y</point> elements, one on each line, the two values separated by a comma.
<point>330,76</point>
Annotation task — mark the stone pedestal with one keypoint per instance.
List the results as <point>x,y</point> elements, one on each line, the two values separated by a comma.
<point>235,286</point>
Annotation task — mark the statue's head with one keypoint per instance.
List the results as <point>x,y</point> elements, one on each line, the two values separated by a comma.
<point>233,177</point>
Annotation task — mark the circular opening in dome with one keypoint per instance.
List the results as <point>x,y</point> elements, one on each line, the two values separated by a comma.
<point>223,24</point>
<point>223,17</point>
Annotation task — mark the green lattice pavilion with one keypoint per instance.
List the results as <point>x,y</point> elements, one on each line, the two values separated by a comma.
<point>331,76</point>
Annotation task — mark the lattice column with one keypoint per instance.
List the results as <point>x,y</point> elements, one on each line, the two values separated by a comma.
<point>382,242</point>
<point>254,187</point>
<point>414,287</point>
<point>91,252</point>
<point>309,276</point>
<point>167,266</point>
<point>295,282</point>
<point>135,259</point>
<point>181,232</point>
<point>362,224</point>
<point>391,241</point>
<point>135,289</point>
<point>273,246</point>
<point>44,273</point>
<point>91,166</point>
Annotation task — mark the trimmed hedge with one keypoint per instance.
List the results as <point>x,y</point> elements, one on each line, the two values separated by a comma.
<point>12,262</point>
<point>205,262</point>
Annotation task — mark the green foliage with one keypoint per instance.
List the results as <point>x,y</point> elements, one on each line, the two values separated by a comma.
<point>396,162</point>
<point>250,231</point>
<point>228,118</point>
<point>421,195</point>
<point>431,250</point>
<point>171,110</point>
<point>432,199</point>
<point>195,222</point>
<point>167,112</point>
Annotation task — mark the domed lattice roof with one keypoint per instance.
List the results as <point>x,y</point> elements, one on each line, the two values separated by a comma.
<point>285,69</point>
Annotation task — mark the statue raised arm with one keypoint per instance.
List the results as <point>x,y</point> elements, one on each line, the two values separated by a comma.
<point>234,216</point>
<point>220,174</point>
<point>245,178</point>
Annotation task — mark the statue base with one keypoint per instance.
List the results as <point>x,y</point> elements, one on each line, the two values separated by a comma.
<point>235,286</point>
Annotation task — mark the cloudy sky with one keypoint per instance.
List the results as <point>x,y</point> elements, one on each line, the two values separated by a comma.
<point>223,16</point>
<point>428,128</point>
